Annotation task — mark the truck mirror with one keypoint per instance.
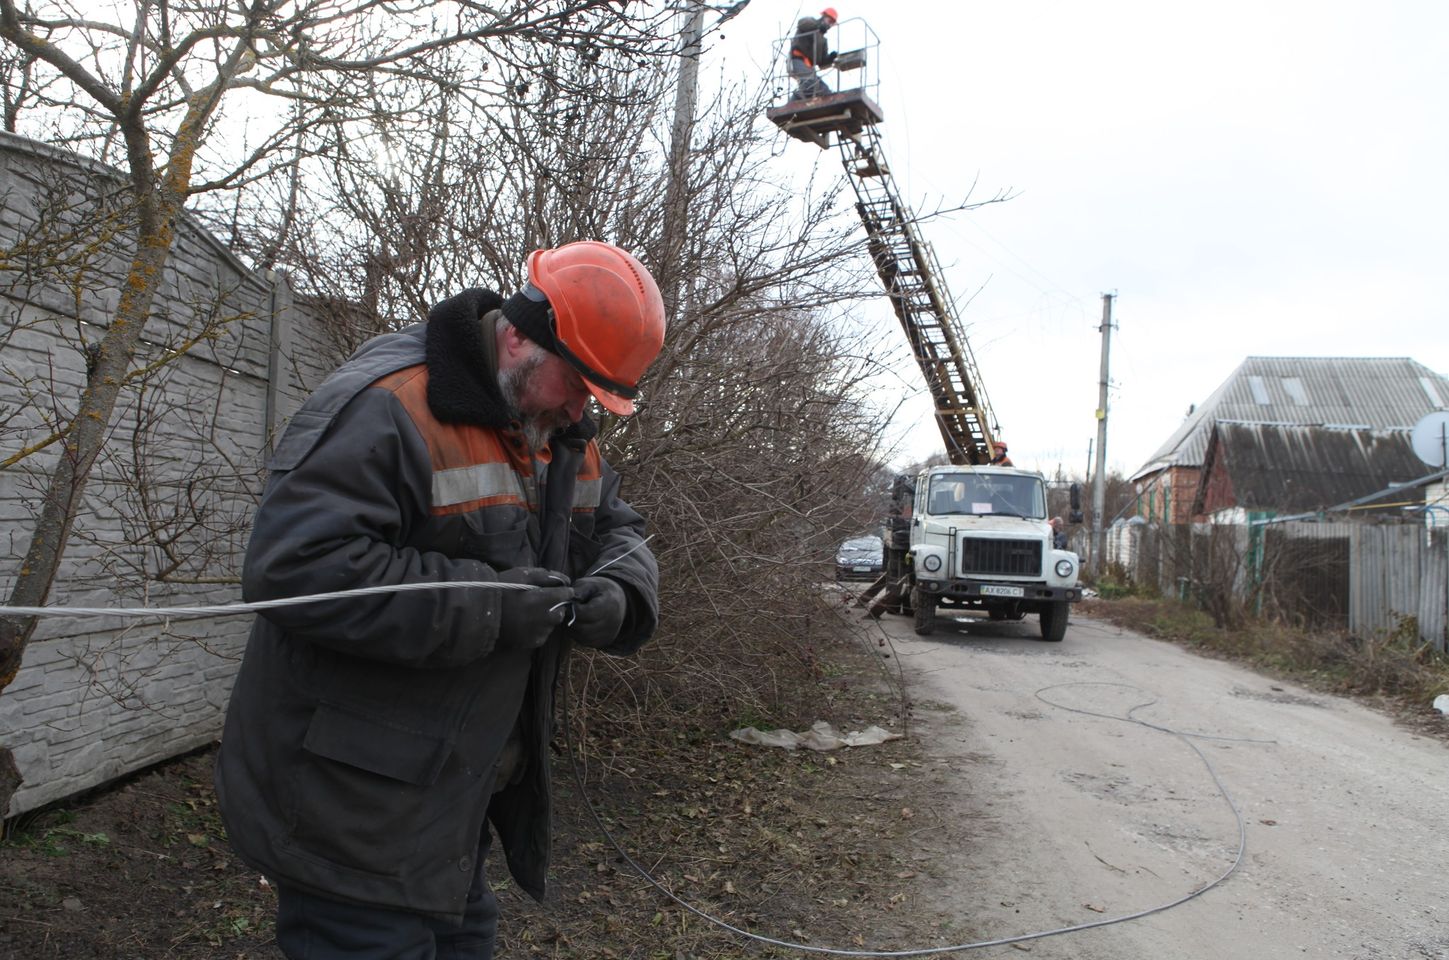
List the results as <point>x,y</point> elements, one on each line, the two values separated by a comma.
<point>1074,517</point>
<point>1076,491</point>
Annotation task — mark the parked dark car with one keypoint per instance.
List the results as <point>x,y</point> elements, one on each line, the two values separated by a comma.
<point>860,558</point>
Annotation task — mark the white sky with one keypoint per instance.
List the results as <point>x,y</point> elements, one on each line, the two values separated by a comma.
<point>1251,178</point>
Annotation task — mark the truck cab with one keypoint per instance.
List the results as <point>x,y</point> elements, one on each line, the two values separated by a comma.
<point>980,540</point>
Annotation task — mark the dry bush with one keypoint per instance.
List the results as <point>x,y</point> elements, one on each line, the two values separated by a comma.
<point>749,486</point>
<point>755,448</point>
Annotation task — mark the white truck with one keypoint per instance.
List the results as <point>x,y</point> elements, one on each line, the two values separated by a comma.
<point>980,540</point>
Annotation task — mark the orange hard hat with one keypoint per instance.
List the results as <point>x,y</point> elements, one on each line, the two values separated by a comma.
<point>608,316</point>
<point>830,12</point>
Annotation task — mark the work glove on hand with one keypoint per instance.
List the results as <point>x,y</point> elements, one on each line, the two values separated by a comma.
<point>527,617</point>
<point>599,608</point>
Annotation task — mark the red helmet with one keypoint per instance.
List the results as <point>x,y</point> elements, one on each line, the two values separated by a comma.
<point>830,12</point>
<point>608,316</point>
<point>998,444</point>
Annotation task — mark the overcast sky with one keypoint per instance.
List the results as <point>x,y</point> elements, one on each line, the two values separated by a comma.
<point>1250,178</point>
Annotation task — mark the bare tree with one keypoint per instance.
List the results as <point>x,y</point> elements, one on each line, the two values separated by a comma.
<point>756,447</point>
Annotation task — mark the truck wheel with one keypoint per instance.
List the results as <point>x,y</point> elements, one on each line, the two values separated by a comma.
<point>925,616</point>
<point>1054,621</point>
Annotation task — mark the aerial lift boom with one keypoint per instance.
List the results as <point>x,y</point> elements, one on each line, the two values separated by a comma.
<point>904,259</point>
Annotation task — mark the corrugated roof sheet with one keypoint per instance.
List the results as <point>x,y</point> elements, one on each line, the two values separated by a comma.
<point>1296,469</point>
<point>1377,393</point>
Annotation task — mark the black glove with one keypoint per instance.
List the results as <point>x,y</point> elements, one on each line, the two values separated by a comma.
<point>527,617</point>
<point>599,608</point>
<point>829,59</point>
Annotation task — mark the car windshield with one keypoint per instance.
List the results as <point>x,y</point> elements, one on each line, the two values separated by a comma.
<point>869,547</point>
<point>982,493</point>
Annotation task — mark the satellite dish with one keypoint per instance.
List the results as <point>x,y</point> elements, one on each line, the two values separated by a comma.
<point>1430,438</point>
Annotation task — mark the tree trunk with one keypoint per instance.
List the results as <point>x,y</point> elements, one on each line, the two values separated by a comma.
<point>83,444</point>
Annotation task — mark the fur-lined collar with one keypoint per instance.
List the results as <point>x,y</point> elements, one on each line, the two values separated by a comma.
<point>462,363</point>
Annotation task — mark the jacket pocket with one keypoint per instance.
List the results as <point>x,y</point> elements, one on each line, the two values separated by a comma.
<point>385,749</point>
<point>373,797</point>
<point>500,549</point>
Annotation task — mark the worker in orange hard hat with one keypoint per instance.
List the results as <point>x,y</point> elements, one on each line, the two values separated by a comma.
<point>597,308</point>
<point>370,742</point>
<point>809,51</point>
<point>998,454</point>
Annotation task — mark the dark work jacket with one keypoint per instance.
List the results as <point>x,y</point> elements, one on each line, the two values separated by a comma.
<point>362,736</point>
<point>809,42</point>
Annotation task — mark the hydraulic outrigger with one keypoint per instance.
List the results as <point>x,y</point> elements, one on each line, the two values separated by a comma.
<point>904,260</point>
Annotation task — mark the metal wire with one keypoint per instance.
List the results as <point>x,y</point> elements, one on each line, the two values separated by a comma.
<point>232,609</point>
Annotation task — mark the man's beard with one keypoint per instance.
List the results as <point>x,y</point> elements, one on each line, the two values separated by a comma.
<point>538,428</point>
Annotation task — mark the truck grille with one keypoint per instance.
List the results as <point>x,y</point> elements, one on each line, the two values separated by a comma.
<point>1011,558</point>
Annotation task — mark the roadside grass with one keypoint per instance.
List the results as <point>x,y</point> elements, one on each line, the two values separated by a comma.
<point>1393,665</point>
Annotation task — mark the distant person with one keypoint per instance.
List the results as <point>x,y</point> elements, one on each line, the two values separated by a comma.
<point>809,51</point>
<point>999,458</point>
<point>1059,536</point>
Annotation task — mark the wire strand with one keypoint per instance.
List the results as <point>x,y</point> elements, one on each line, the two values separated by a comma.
<point>232,609</point>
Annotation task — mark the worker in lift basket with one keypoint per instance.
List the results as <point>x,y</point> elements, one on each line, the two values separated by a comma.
<point>999,457</point>
<point>370,741</point>
<point>809,51</point>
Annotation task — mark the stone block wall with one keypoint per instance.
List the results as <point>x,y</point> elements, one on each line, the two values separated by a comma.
<point>165,516</point>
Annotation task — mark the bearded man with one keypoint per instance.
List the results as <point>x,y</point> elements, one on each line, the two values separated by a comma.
<point>370,740</point>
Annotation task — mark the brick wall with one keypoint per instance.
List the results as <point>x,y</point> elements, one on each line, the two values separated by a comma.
<point>96,698</point>
<point>1167,496</point>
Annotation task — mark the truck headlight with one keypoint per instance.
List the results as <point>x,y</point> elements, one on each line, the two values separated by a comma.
<point>931,563</point>
<point>1064,568</point>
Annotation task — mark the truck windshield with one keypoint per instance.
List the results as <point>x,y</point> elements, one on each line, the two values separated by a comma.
<point>977,493</point>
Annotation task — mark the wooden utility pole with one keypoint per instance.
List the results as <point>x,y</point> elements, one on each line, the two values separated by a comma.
<point>1099,488</point>
<point>676,200</point>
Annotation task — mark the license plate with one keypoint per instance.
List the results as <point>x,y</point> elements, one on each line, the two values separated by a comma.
<point>862,569</point>
<point>991,590</point>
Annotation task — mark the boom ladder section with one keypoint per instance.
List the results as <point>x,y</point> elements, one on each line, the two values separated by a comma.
<point>911,274</point>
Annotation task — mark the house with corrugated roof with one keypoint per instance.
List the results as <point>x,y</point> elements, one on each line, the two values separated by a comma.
<point>1379,395</point>
<point>1252,471</point>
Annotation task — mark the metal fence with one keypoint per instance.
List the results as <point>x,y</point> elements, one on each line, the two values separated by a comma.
<point>1361,578</point>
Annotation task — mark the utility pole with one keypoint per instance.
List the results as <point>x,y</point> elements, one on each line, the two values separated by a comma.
<point>1099,490</point>
<point>676,199</point>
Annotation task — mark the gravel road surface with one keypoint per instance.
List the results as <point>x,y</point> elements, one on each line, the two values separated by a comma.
<point>1076,818</point>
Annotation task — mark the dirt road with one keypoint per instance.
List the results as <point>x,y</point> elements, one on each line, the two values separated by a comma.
<point>1082,818</point>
